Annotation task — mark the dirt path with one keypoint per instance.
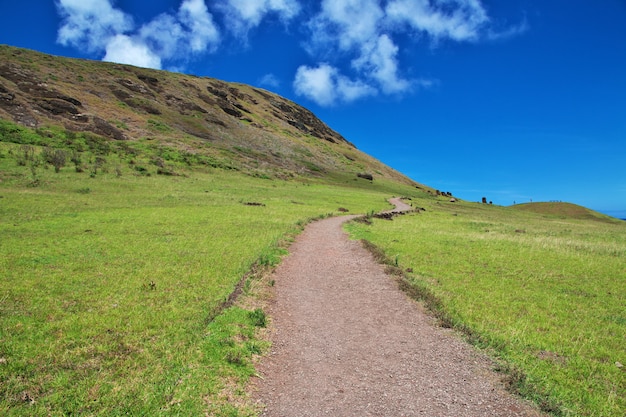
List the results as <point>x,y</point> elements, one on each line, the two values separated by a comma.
<point>347,342</point>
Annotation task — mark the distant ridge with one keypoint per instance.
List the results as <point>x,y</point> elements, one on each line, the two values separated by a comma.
<point>565,210</point>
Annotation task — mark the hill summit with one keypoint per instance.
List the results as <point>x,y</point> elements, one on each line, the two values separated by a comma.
<point>233,125</point>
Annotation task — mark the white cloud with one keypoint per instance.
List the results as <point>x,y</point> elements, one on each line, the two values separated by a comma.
<point>202,33</point>
<point>100,28</point>
<point>362,37</point>
<point>269,80</point>
<point>164,34</point>
<point>364,31</point>
<point>347,23</point>
<point>242,15</point>
<point>123,49</point>
<point>509,32</point>
<point>326,86</point>
<point>90,24</point>
<point>459,20</point>
<point>378,61</point>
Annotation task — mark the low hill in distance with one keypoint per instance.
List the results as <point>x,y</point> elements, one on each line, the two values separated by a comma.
<point>565,210</point>
<point>175,116</point>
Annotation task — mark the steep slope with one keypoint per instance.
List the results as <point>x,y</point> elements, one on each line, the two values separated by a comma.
<point>235,125</point>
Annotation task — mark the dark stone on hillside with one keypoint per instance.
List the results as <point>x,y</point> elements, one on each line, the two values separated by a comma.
<point>265,95</point>
<point>148,80</point>
<point>135,87</point>
<point>70,100</point>
<point>217,92</point>
<point>241,107</point>
<point>184,107</point>
<point>365,176</point>
<point>298,125</point>
<point>27,82</point>
<point>56,106</point>
<point>17,74</point>
<point>240,95</point>
<point>121,94</point>
<point>81,118</point>
<point>6,95</point>
<point>228,109</point>
<point>208,100</point>
<point>134,102</point>
<point>103,128</point>
<point>11,103</point>
<point>305,121</point>
<point>214,120</point>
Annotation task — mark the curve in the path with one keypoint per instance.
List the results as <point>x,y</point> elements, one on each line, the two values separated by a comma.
<point>348,342</point>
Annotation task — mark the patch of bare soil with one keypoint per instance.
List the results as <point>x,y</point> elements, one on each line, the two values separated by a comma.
<point>348,342</point>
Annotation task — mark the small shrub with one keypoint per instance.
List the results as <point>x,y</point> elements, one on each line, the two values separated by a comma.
<point>77,161</point>
<point>26,154</point>
<point>235,357</point>
<point>58,159</point>
<point>258,317</point>
<point>141,170</point>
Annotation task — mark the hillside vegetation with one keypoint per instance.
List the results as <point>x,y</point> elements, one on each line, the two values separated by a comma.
<point>180,118</point>
<point>141,212</point>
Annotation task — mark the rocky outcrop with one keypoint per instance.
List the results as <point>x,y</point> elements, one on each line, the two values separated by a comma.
<point>250,128</point>
<point>303,120</point>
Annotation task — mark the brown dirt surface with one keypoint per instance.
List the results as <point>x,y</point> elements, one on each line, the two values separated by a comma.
<point>347,342</point>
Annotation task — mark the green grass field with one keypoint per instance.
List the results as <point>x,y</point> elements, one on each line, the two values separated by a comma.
<point>116,271</point>
<point>111,284</point>
<point>545,293</point>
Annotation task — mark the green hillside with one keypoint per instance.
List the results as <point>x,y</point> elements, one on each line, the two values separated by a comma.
<point>176,117</point>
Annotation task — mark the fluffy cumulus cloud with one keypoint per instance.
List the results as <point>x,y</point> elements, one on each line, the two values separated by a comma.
<point>366,31</point>
<point>355,46</point>
<point>99,27</point>
<point>200,30</point>
<point>122,48</point>
<point>345,23</point>
<point>242,15</point>
<point>90,24</point>
<point>458,20</point>
<point>326,86</point>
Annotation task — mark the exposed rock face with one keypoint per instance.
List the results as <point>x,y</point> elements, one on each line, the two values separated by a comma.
<point>250,127</point>
<point>30,100</point>
<point>102,127</point>
<point>303,120</point>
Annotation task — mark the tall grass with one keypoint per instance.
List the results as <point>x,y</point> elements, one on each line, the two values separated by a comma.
<point>111,284</point>
<point>547,295</point>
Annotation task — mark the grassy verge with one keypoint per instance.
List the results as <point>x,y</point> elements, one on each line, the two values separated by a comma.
<point>545,294</point>
<point>113,279</point>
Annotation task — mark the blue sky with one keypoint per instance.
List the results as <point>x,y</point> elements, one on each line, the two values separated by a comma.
<point>514,100</point>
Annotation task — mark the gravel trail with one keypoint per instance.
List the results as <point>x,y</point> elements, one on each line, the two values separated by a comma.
<point>347,342</point>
